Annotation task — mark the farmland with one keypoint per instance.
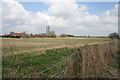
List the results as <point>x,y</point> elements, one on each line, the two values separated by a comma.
<point>22,57</point>
<point>38,45</point>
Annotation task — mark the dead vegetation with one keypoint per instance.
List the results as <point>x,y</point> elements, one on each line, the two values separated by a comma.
<point>96,60</point>
<point>92,61</point>
<point>31,45</point>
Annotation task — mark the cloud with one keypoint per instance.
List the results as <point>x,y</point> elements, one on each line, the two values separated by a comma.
<point>63,17</point>
<point>110,16</point>
<point>83,8</point>
<point>65,0</point>
<point>16,18</point>
<point>109,20</point>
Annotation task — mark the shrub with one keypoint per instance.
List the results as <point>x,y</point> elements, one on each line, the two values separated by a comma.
<point>113,35</point>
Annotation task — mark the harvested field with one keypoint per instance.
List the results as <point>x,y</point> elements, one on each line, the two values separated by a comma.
<point>31,45</point>
<point>28,57</point>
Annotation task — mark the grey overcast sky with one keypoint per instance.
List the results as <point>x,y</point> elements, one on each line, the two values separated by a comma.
<point>77,18</point>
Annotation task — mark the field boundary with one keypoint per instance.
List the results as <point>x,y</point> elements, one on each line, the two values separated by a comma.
<point>57,75</point>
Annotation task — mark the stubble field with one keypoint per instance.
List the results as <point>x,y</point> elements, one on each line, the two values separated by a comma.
<point>31,45</point>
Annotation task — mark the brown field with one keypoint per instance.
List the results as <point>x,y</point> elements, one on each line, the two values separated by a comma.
<point>38,45</point>
<point>27,57</point>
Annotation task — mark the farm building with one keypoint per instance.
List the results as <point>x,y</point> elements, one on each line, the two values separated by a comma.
<point>15,34</point>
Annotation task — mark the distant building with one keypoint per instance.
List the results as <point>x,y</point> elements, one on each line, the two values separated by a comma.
<point>15,34</point>
<point>48,32</point>
<point>52,33</point>
<point>12,33</point>
<point>19,34</point>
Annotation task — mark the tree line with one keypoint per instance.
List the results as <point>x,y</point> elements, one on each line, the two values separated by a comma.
<point>43,35</point>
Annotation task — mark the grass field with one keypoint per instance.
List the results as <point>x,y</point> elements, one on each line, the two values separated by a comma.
<point>22,57</point>
<point>38,45</point>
